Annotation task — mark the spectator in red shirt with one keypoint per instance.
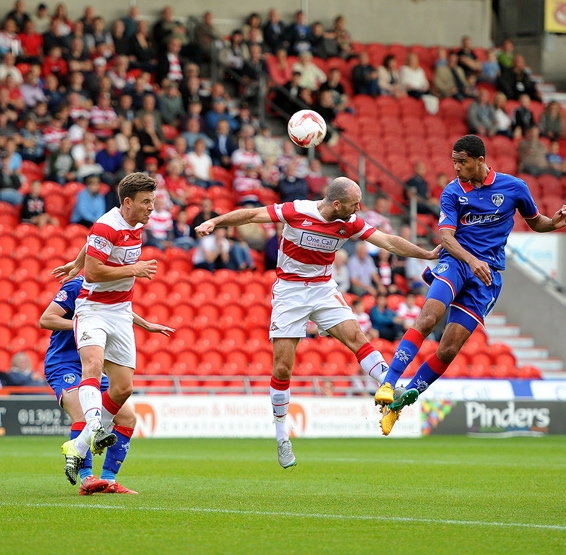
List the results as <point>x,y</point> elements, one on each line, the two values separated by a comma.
<point>176,184</point>
<point>32,44</point>
<point>54,64</point>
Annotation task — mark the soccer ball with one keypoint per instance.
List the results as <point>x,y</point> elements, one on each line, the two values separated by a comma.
<point>306,128</point>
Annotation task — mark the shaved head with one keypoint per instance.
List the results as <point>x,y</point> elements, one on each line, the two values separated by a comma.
<point>341,188</point>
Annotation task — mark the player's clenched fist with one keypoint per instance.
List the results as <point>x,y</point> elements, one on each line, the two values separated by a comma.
<point>206,228</point>
<point>145,268</point>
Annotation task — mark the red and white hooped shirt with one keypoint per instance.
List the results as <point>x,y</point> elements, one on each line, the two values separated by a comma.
<point>309,242</point>
<point>116,243</point>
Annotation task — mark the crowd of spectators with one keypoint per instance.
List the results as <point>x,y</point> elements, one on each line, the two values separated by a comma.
<point>89,101</point>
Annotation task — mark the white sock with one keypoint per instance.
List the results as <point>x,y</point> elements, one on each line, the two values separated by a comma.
<point>91,403</point>
<point>280,403</point>
<point>107,419</point>
<point>374,365</point>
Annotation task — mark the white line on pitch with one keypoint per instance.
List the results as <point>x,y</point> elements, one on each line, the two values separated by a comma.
<point>300,515</point>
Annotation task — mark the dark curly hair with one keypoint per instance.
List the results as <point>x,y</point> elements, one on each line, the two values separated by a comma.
<point>472,145</point>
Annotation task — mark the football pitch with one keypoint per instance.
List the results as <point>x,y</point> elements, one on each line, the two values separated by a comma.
<point>434,495</point>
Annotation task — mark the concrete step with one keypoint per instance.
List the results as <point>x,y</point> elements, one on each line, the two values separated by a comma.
<point>518,342</point>
<point>548,365</point>
<point>531,352</point>
<point>503,331</point>
<point>496,320</point>
<point>552,375</point>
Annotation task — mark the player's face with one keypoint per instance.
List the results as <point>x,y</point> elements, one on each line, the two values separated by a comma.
<point>349,206</point>
<point>142,206</point>
<point>465,166</point>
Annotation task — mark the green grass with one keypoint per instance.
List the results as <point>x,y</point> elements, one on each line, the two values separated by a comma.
<point>435,495</point>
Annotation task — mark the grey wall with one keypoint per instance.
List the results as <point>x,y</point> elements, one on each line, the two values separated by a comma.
<point>427,22</point>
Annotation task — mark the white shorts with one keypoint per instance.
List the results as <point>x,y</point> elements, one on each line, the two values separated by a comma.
<point>295,303</point>
<point>109,326</point>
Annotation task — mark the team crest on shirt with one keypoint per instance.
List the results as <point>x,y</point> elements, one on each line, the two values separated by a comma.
<point>441,268</point>
<point>61,296</point>
<point>342,231</point>
<point>497,199</point>
<point>69,378</point>
<point>100,243</point>
<point>126,237</point>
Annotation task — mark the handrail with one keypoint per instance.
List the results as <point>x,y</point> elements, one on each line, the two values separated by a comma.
<point>263,100</point>
<point>548,279</point>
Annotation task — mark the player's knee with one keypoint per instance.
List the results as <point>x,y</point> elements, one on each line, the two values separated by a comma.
<point>92,368</point>
<point>426,324</point>
<point>282,371</point>
<point>121,392</point>
<point>447,353</point>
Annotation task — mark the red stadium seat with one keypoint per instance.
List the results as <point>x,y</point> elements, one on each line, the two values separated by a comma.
<point>7,289</point>
<point>27,313</point>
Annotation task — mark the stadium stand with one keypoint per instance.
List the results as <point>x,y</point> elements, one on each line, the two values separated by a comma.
<point>222,318</point>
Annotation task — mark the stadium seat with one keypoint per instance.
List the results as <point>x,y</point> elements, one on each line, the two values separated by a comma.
<point>7,289</point>
<point>529,372</point>
<point>72,189</point>
<point>158,313</point>
<point>28,290</point>
<point>481,359</point>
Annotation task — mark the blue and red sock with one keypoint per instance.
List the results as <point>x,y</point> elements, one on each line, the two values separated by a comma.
<point>116,454</point>
<point>406,351</point>
<point>428,373</point>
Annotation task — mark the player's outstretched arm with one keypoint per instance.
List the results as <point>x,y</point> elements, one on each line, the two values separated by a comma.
<point>400,246</point>
<point>52,319</point>
<point>151,327</point>
<point>234,218</point>
<point>543,224</point>
<point>96,271</point>
<point>70,270</point>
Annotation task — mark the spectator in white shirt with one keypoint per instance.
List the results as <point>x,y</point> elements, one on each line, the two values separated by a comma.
<point>159,228</point>
<point>408,311</point>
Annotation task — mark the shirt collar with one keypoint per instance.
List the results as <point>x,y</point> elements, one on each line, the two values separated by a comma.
<point>467,187</point>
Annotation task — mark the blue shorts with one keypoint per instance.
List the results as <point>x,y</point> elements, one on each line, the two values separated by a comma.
<point>67,378</point>
<point>453,283</point>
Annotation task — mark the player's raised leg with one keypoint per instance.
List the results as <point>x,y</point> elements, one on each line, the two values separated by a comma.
<point>280,392</point>
<point>370,359</point>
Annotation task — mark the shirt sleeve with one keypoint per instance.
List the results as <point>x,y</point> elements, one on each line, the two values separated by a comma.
<point>448,218</point>
<point>67,295</point>
<point>525,202</point>
<point>100,241</point>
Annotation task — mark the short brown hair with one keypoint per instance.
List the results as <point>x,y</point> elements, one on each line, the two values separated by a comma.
<point>134,183</point>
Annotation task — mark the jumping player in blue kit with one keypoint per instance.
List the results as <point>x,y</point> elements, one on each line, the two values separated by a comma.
<point>63,373</point>
<point>476,218</point>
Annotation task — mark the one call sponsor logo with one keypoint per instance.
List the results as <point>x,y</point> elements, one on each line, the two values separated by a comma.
<point>318,242</point>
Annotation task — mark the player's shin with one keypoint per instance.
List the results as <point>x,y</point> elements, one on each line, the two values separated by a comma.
<point>428,373</point>
<point>406,351</point>
<point>372,362</point>
<point>280,393</point>
<point>116,454</point>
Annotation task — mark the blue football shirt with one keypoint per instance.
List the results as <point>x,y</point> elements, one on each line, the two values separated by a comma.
<point>62,347</point>
<point>483,218</point>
